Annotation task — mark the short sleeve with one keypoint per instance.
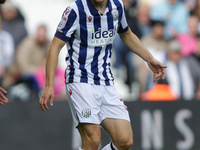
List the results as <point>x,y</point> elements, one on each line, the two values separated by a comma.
<point>67,25</point>
<point>123,26</point>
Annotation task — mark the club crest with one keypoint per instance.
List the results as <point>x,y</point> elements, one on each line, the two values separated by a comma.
<point>115,14</point>
<point>86,113</point>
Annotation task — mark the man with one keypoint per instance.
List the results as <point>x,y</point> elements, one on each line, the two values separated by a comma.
<point>6,57</point>
<point>30,56</point>
<point>169,12</point>
<point>156,44</point>
<point>185,80</point>
<point>3,99</point>
<point>89,27</point>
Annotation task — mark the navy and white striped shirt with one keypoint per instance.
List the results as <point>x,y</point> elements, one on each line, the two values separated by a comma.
<point>89,36</point>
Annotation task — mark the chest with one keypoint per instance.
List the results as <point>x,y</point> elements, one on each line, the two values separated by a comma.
<point>99,29</point>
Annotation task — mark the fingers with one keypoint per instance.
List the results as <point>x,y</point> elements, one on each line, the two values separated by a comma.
<point>3,99</point>
<point>51,101</point>
<point>3,91</point>
<point>157,76</point>
<point>43,102</point>
<point>3,102</point>
<point>163,72</point>
<point>163,66</point>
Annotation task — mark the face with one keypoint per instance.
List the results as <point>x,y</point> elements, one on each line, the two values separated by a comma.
<point>174,56</point>
<point>143,14</point>
<point>172,2</point>
<point>158,31</point>
<point>9,14</point>
<point>41,36</point>
<point>198,47</point>
<point>193,25</point>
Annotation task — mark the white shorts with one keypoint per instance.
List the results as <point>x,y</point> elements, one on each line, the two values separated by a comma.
<point>94,103</point>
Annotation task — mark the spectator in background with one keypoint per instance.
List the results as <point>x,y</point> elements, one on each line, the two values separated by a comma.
<point>141,24</point>
<point>151,3</point>
<point>196,55</point>
<point>174,14</point>
<point>13,22</point>
<point>189,40</point>
<point>196,12</point>
<point>6,51</point>
<point>3,99</point>
<point>30,56</point>
<point>190,4</point>
<point>183,74</point>
<point>32,51</point>
<point>156,44</point>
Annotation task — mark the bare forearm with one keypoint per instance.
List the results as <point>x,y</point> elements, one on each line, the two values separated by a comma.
<point>52,60</point>
<point>51,65</point>
<point>135,45</point>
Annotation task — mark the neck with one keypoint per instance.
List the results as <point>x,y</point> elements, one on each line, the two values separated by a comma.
<point>100,5</point>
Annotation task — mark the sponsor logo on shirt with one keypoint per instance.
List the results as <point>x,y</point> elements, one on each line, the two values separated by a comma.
<point>101,38</point>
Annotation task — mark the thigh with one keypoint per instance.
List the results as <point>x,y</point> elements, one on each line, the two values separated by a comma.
<point>120,130</point>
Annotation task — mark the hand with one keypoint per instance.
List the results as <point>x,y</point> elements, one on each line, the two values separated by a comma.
<point>3,99</point>
<point>46,95</point>
<point>157,68</point>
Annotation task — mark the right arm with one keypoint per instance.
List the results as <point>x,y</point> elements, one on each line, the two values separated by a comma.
<point>51,64</point>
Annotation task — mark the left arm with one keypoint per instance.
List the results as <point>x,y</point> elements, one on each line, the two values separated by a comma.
<point>134,44</point>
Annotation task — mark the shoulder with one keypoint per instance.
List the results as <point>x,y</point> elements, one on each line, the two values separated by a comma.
<point>30,40</point>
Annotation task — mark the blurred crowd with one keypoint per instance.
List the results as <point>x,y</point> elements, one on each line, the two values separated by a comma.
<point>169,29</point>
<point>22,57</point>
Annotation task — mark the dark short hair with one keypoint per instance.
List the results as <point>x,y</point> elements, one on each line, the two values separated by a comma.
<point>2,1</point>
<point>156,22</point>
